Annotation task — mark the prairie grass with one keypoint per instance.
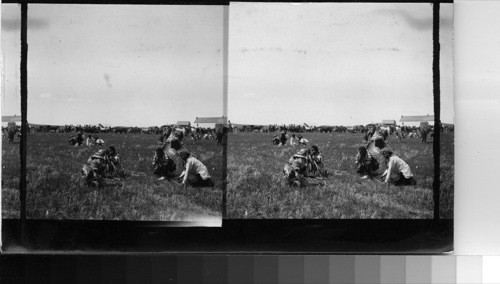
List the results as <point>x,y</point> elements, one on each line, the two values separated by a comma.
<point>55,190</point>
<point>256,188</point>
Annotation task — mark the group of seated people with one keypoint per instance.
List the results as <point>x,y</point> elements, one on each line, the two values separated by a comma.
<point>397,171</point>
<point>281,139</point>
<point>308,163</point>
<point>102,164</point>
<point>305,163</point>
<point>94,141</point>
<point>77,140</point>
<point>106,164</point>
<point>195,173</point>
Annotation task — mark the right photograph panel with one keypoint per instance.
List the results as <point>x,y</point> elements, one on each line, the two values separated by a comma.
<point>331,110</point>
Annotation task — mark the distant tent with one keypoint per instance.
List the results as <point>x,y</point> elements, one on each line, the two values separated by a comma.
<point>215,120</point>
<point>389,122</point>
<point>183,123</point>
<point>416,118</point>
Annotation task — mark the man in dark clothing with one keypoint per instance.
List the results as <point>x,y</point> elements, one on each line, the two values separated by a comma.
<point>367,165</point>
<point>283,138</point>
<point>164,167</point>
<point>79,139</point>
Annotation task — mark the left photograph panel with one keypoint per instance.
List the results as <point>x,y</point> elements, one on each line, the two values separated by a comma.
<point>125,106</point>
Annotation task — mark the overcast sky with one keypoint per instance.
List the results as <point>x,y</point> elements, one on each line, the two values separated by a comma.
<point>336,63</point>
<point>125,65</point>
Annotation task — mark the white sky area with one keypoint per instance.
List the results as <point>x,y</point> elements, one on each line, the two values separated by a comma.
<point>336,63</point>
<point>125,65</point>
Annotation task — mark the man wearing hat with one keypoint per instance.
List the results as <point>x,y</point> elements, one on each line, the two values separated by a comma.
<point>296,169</point>
<point>95,169</point>
<point>398,172</point>
<point>196,173</point>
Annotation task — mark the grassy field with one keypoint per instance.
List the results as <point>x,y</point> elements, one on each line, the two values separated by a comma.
<point>256,188</point>
<point>55,190</point>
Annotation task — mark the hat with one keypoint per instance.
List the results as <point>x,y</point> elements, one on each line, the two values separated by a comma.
<point>301,154</point>
<point>184,154</point>
<point>386,151</point>
<point>314,147</point>
<point>99,154</point>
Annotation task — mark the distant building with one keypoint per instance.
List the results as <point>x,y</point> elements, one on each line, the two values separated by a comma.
<point>414,120</point>
<point>9,119</point>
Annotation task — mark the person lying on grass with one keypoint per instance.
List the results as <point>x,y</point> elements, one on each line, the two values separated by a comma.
<point>367,165</point>
<point>295,170</point>
<point>196,173</point>
<point>398,172</point>
<point>164,167</point>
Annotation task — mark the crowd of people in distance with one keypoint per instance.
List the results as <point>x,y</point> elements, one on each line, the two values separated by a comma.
<point>400,131</point>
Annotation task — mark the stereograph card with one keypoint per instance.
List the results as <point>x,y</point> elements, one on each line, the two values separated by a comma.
<point>228,127</point>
